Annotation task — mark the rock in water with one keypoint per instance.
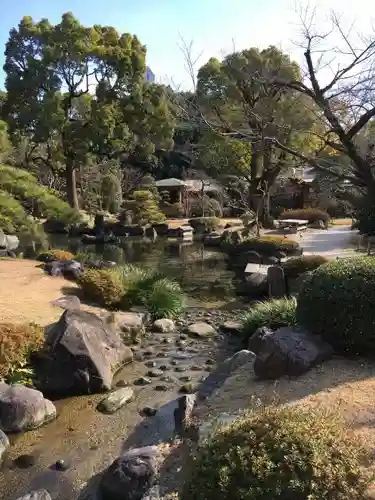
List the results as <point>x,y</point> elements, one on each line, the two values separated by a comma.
<point>23,409</point>
<point>289,351</point>
<point>4,446</point>
<point>164,325</point>
<point>183,414</point>
<point>201,330</point>
<point>82,355</point>
<point>36,495</point>
<point>115,400</point>
<point>131,475</point>
<point>233,327</point>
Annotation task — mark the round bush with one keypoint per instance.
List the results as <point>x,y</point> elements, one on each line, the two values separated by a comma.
<point>337,302</point>
<point>279,453</point>
<point>51,255</point>
<point>310,214</point>
<point>300,265</point>
<point>103,286</point>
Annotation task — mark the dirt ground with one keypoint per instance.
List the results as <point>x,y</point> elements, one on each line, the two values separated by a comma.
<point>27,293</point>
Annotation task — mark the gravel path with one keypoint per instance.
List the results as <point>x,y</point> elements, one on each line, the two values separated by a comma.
<point>336,242</point>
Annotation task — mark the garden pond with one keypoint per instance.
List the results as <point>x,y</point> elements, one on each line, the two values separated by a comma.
<point>201,271</point>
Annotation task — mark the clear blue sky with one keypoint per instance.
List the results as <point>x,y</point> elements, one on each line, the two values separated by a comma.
<point>216,26</point>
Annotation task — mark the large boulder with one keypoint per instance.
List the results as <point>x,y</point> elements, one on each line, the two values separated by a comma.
<point>8,242</point>
<point>82,355</point>
<point>287,351</point>
<point>23,409</point>
<point>4,446</point>
<point>253,285</point>
<point>131,475</point>
<point>36,495</point>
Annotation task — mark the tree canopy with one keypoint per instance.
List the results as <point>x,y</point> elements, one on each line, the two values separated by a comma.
<point>75,91</point>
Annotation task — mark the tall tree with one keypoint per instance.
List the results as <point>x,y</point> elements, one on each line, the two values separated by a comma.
<point>235,103</point>
<point>80,91</point>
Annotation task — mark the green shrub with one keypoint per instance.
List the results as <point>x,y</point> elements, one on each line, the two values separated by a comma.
<point>206,207</point>
<point>310,214</point>
<point>51,255</point>
<point>280,453</point>
<point>17,342</point>
<point>102,286</point>
<point>143,208</point>
<point>173,210</point>
<point>164,299</point>
<point>299,265</point>
<point>13,218</point>
<point>337,302</point>
<point>273,313</point>
<point>204,224</point>
<point>266,245</point>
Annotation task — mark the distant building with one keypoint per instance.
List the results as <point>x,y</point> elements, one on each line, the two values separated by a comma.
<point>149,76</point>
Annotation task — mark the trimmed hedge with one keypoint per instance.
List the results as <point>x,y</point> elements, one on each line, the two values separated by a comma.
<point>273,313</point>
<point>280,453</point>
<point>337,301</point>
<point>310,214</point>
<point>102,286</point>
<point>266,245</point>
<point>299,265</point>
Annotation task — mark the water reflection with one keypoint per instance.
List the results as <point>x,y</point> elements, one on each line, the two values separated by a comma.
<point>202,272</point>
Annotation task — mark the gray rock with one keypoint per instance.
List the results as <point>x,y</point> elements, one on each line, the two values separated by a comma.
<point>130,322</point>
<point>255,285</point>
<point>115,400</point>
<point>162,388</point>
<point>69,269</point>
<point>11,242</point>
<point>164,325</point>
<point>257,340</point>
<point>155,373</point>
<point>183,413</point>
<point>82,355</point>
<point>233,327</point>
<point>142,381</point>
<point>152,494</point>
<point>3,241</point>
<point>71,302</point>
<point>131,476</point>
<point>36,495</point>
<point>23,409</point>
<point>276,282</point>
<point>201,330</point>
<point>289,351</point>
<point>149,412</point>
<point>4,446</point>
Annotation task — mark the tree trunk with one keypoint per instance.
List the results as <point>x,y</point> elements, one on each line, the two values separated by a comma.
<point>71,184</point>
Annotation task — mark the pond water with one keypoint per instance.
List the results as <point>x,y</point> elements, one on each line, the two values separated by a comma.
<point>201,271</point>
